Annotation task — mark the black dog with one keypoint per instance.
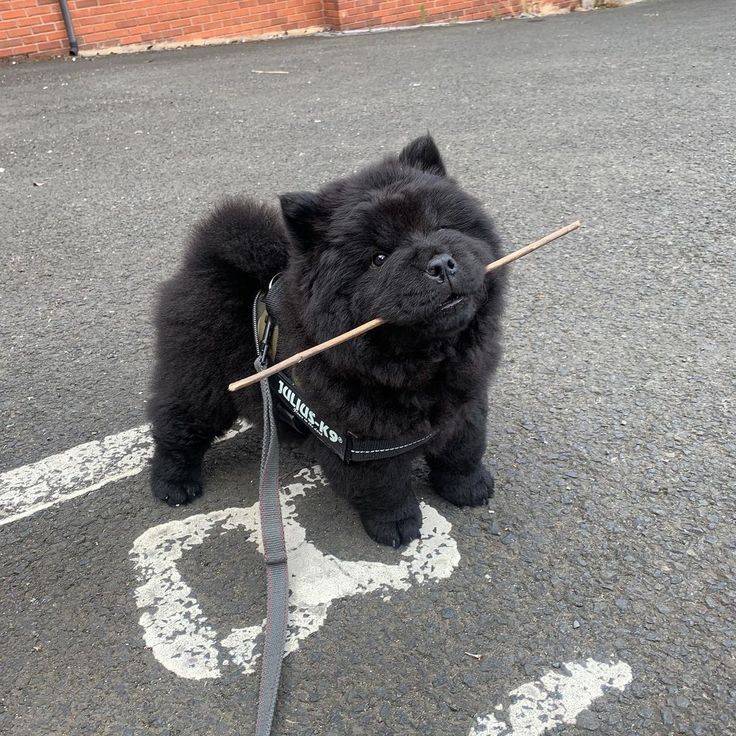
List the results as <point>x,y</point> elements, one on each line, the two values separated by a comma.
<point>398,240</point>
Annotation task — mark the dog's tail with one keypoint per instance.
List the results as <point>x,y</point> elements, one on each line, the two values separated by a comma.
<point>240,234</point>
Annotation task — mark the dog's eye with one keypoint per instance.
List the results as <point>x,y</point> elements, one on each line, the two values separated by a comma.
<point>379,259</point>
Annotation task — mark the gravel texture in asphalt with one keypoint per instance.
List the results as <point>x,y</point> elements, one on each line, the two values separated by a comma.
<point>611,536</point>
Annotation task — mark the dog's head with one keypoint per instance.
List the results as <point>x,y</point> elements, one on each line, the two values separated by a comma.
<point>398,240</point>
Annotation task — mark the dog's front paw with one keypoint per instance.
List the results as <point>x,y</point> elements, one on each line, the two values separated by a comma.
<point>464,490</point>
<point>176,494</point>
<point>394,528</point>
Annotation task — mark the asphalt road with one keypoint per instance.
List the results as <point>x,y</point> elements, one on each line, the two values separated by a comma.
<point>611,538</point>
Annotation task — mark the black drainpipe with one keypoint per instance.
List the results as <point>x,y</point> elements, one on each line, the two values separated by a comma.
<point>73,45</point>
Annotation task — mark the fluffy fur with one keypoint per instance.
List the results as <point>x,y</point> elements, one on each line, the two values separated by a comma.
<point>398,240</point>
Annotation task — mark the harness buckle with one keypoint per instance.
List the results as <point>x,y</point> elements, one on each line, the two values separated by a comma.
<point>265,343</point>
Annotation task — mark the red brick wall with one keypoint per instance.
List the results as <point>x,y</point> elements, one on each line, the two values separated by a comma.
<point>36,27</point>
<point>31,27</point>
<point>355,14</point>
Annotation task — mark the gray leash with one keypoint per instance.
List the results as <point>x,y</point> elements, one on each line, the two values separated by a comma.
<point>277,574</point>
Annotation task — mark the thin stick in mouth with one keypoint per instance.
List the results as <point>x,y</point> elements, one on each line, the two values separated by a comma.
<point>377,322</point>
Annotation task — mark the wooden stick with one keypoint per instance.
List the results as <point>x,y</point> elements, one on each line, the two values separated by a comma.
<point>533,246</point>
<point>368,326</point>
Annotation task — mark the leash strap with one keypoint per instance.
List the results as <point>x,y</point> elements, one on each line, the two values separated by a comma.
<point>277,573</point>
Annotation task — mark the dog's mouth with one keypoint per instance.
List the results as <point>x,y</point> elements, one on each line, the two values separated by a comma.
<point>453,301</point>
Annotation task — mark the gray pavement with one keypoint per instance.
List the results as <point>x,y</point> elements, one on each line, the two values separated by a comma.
<point>611,536</point>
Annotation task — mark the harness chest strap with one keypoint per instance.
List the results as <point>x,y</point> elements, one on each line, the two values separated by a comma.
<point>295,407</point>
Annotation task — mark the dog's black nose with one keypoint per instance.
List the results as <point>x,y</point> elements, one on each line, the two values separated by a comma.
<point>441,267</point>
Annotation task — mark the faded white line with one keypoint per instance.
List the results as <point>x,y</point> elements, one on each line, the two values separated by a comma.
<point>84,468</point>
<point>556,698</point>
<point>178,631</point>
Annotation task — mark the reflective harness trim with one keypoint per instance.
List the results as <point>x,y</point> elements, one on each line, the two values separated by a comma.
<point>406,447</point>
<point>293,408</point>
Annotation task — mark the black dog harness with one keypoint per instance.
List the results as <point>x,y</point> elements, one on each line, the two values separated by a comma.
<point>294,409</point>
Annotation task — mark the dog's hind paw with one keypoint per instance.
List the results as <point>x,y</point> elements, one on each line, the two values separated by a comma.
<point>176,494</point>
<point>395,528</point>
<point>465,490</point>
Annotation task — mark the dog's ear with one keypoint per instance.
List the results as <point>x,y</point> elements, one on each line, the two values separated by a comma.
<point>302,211</point>
<point>422,153</point>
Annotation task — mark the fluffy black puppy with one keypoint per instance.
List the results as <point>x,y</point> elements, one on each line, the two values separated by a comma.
<point>398,240</point>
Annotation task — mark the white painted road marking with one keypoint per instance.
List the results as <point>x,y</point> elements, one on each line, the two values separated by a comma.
<point>176,628</point>
<point>556,698</point>
<point>84,468</point>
